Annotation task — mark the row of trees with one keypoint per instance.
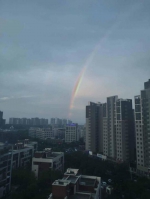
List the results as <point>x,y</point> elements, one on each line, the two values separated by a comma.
<point>25,185</point>
<point>123,186</point>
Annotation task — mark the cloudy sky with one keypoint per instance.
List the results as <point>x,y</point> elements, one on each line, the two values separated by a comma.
<point>46,44</point>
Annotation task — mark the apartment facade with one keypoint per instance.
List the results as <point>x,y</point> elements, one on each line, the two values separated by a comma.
<point>22,155</point>
<point>96,137</point>
<point>75,186</point>
<point>92,127</point>
<point>13,157</point>
<point>110,128</point>
<point>47,159</point>
<point>142,127</point>
<point>111,125</point>
<point>125,134</point>
<point>104,130</point>
<point>71,133</point>
<point>5,170</point>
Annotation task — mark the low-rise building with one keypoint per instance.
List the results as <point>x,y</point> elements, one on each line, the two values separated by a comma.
<point>27,143</point>
<point>22,155</point>
<point>41,133</point>
<point>13,157</point>
<point>71,133</point>
<point>59,132</point>
<point>47,159</point>
<point>76,186</point>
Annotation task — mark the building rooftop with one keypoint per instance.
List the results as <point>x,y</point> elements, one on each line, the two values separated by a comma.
<point>73,124</point>
<point>87,181</point>
<point>61,182</point>
<point>46,154</point>
<point>81,196</point>
<point>73,179</point>
<point>71,171</point>
<point>78,186</point>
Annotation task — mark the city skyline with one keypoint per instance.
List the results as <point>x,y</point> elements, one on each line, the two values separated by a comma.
<point>56,56</point>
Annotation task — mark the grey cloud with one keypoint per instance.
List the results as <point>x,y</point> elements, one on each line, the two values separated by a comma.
<point>45,44</point>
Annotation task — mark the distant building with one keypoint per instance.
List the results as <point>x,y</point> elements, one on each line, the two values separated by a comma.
<point>64,122</point>
<point>14,121</point>
<point>27,121</point>
<point>71,133</point>
<point>53,121</point>
<point>69,122</point>
<point>76,186</point>
<point>43,121</point>
<point>47,159</point>
<point>35,121</point>
<point>58,122</point>
<point>2,121</point>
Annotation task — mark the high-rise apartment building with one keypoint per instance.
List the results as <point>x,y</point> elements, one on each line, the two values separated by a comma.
<point>111,125</point>
<point>142,127</point>
<point>104,129</point>
<point>125,144</point>
<point>92,127</point>
<point>110,129</point>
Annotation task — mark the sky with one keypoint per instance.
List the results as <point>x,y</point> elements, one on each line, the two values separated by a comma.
<point>57,55</point>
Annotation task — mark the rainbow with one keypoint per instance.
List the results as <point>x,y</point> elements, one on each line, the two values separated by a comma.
<point>91,57</point>
<point>83,70</point>
<point>76,87</point>
<point>80,79</point>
